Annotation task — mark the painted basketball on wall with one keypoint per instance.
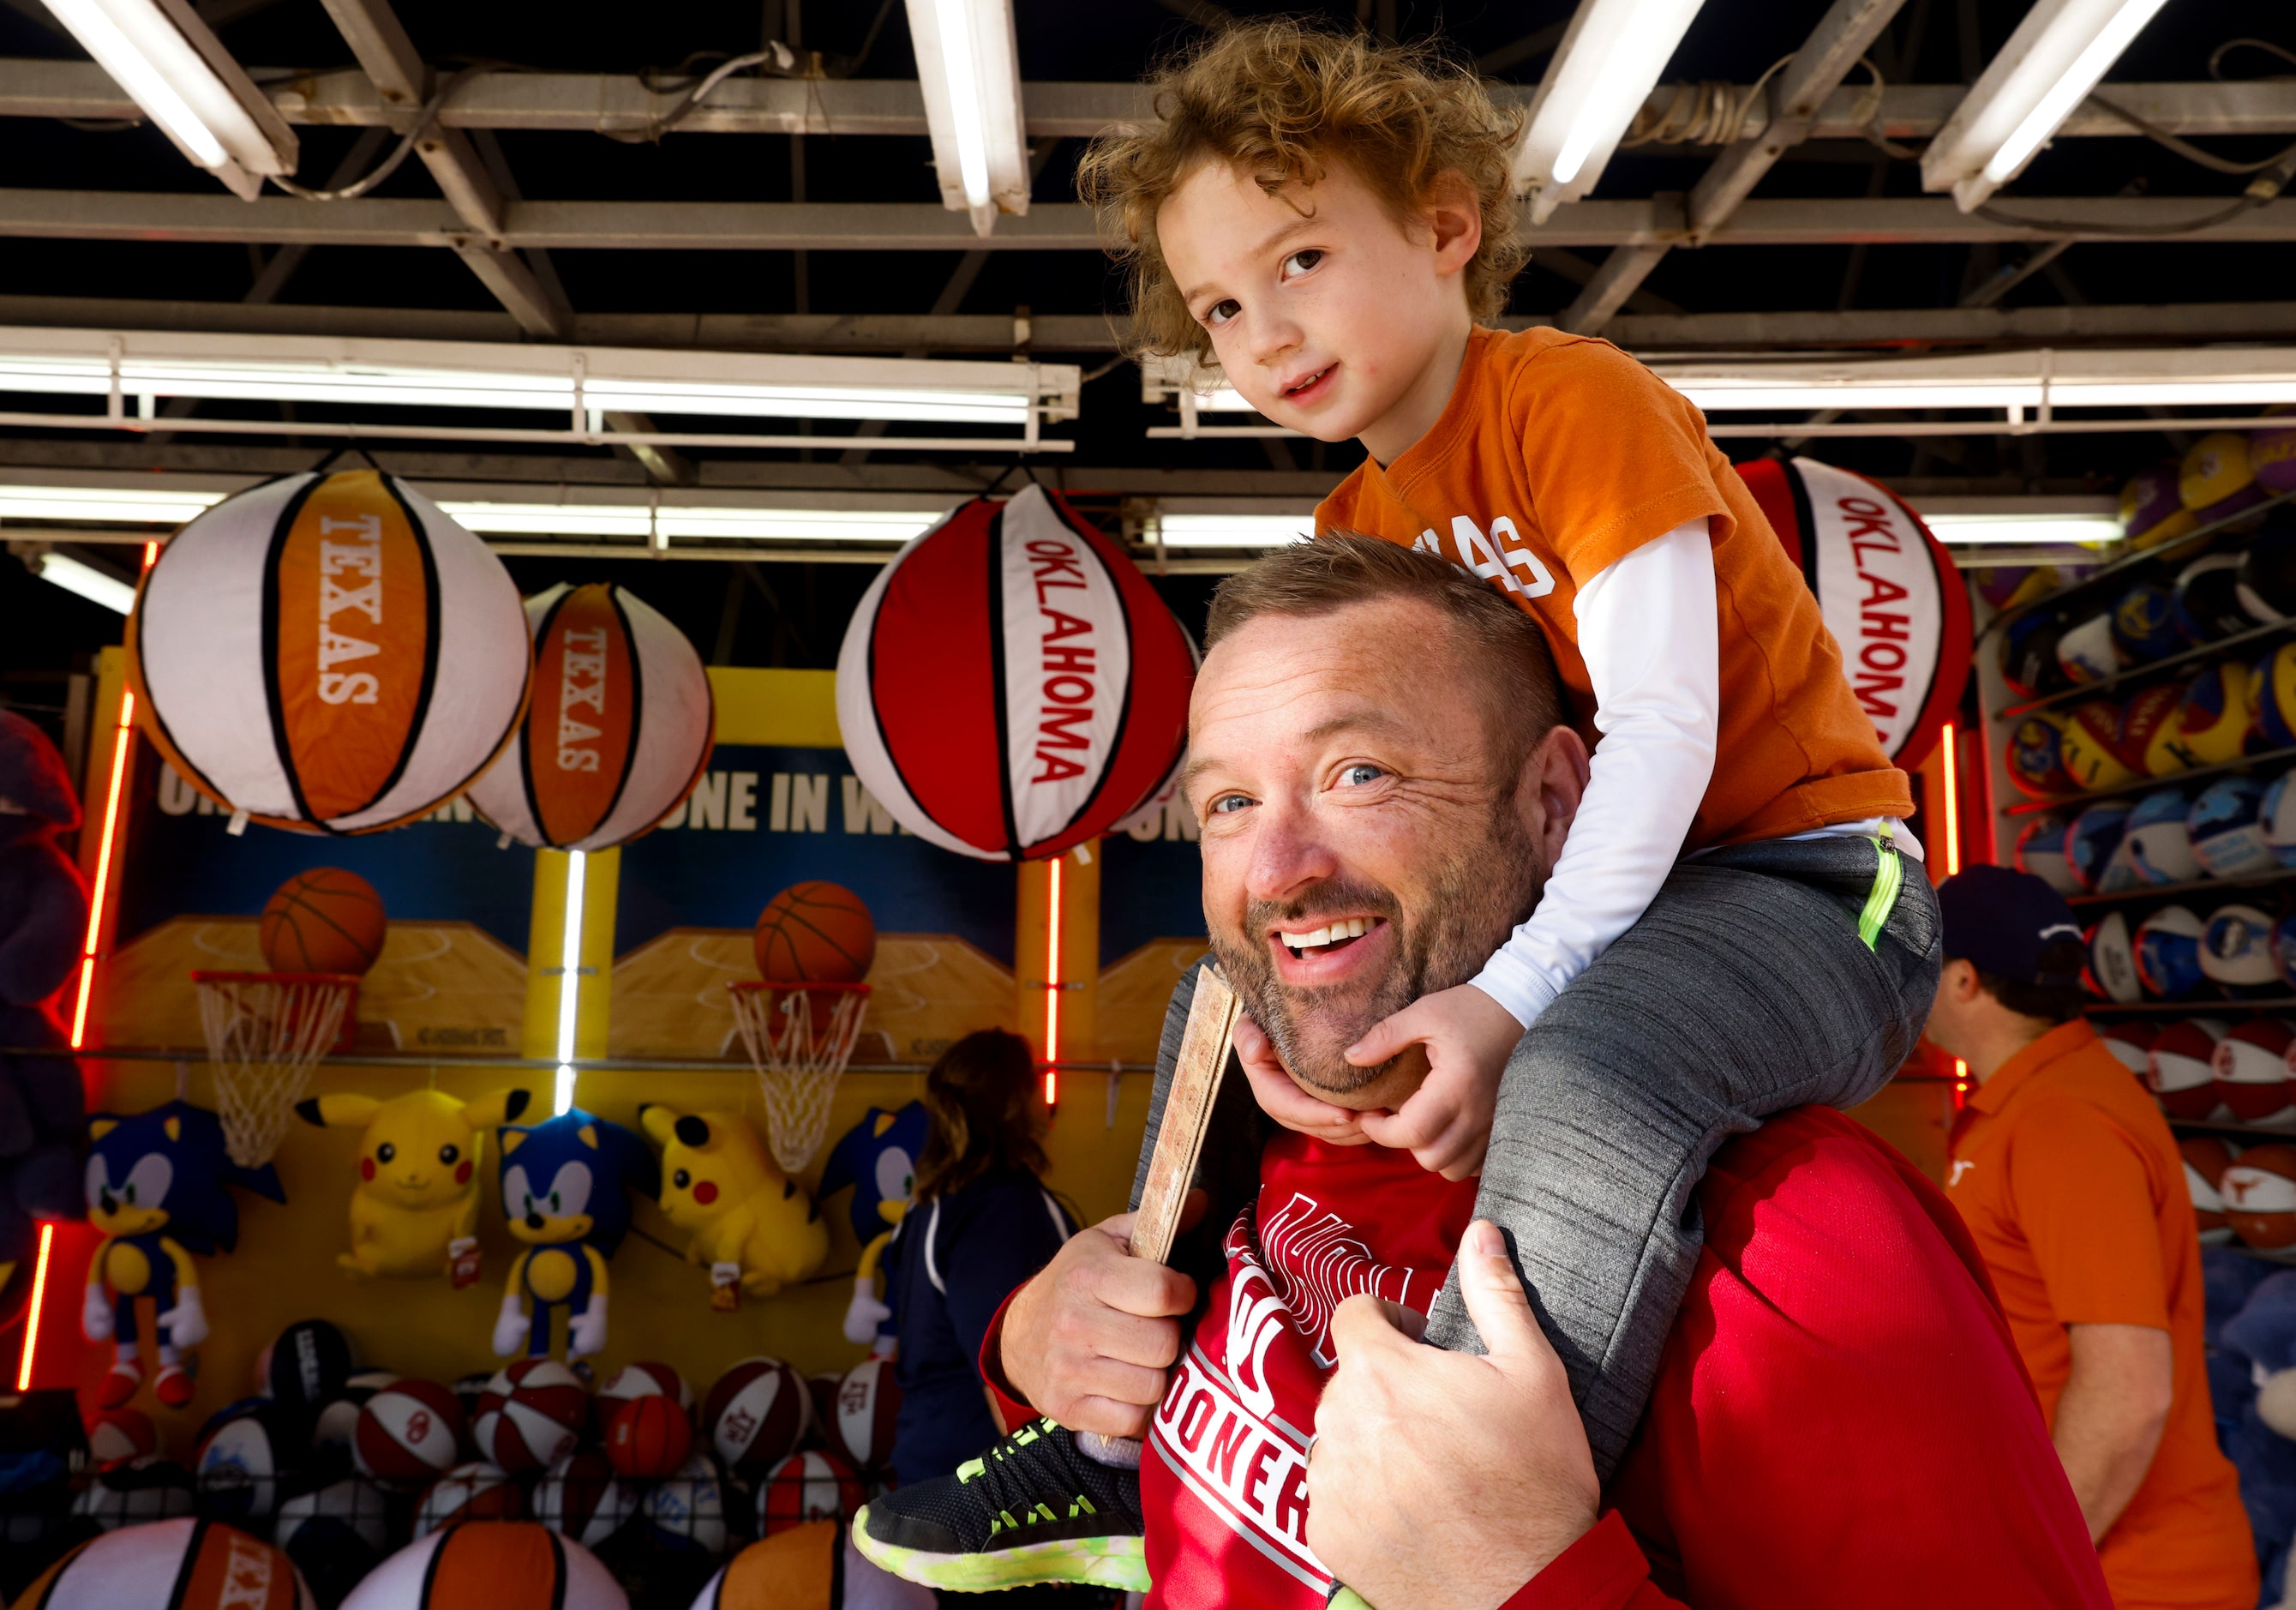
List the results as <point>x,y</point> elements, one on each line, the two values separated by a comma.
<point>326,920</point>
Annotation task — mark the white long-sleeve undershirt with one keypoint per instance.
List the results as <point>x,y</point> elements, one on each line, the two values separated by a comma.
<point>1648,630</point>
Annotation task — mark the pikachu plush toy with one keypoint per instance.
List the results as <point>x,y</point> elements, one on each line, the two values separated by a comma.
<point>414,1212</point>
<point>565,1184</point>
<point>752,1229</point>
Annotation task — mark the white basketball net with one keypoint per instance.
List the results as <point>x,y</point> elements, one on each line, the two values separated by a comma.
<point>799,1039</point>
<point>265,1033</point>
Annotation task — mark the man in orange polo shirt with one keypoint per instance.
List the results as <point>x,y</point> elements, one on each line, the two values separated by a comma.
<point>2071,1186</point>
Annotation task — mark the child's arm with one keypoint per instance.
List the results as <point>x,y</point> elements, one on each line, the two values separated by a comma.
<point>1649,628</point>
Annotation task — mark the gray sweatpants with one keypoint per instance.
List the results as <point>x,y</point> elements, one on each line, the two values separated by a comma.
<point>1748,987</point>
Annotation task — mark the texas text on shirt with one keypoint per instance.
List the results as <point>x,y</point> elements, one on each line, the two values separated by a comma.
<point>1680,627</point>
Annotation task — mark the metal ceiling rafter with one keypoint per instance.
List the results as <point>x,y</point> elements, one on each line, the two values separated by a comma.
<point>1826,58</point>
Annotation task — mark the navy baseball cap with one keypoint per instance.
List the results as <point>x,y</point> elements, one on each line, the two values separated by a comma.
<point>2010,925</point>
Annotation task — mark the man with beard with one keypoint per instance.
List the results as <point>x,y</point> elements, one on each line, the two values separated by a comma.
<point>1377,757</point>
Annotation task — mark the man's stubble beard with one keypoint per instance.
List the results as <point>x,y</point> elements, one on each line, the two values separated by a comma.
<point>1475,898</point>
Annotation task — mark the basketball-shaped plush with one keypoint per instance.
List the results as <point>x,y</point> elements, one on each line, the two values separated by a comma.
<point>2206,1158</point>
<point>2157,845</point>
<point>868,1403</point>
<point>2217,478</point>
<point>2208,600</point>
<point>468,1389</point>
<point>815,933</point>
<point>2259,1196</point>
<point>326,920</point>
<point>306,1365</point>
<point>2183,1068</point>
<point>336,1423</point>
<point>502,1563</point>
<point>687,1508</point>
<point>2130,1042</point>
<point>2168,953</point>
<point>756,1414</point>
<point>531,1412</point>
<point>117,1434</point>
<point>2277,811</point>
<point>2144,624</point>
<point>335,1535</point>
<point>409,1434</point>
<point>814,1486</point>
<point>823,1390</point>
<point>469,1492</point>
<point>580,1496</point>
<point>2151,508</point>
<point>2087,651</point>
<point>643,1380</point>
<point>2271,459</point>
<point>183,1565</point>
<point>2013,586</point>
<point>2041,851</point>
<point>2273,692</point>
<point>2112,970</point>
<point>2227,828</point>
<point>2036,758</point>
<point>2251,1068</point>
<point>2212,723</point>
<point>2236,951</point>
<point>2266,587</point>
<point>246,1455</point>
<point>2028,654</point>
<point>2090,746</point>
<point>2148,730</point>
<point>648,1437</point>
<point>2091,840</point>
<point>146,1489</point>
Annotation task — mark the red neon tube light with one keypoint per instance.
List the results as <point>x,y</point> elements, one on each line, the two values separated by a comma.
<point>32,1315</point>
<point>1952,804</point>
<point>1052,987</point>
<point>121,738</point>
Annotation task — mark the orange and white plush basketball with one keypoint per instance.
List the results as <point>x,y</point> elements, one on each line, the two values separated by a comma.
<point>2206,1158</point>
<point>2259,1196</point>
<point>648,1437</point>
<point>494,1564</point>
<point>811,1486</point>
<point>184,1563</point>
<point>409,1433</point>
<point>328,652</point>
<point>469,1492</point>
<point>531,1413</point>
<point>757,1415</point>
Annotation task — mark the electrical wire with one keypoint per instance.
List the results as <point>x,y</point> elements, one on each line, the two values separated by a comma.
<point>1709,112</point>
<point>389,164</point>
<point>777,59</point>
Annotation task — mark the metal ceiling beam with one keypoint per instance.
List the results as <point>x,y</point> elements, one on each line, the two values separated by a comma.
<point>573,102</point>
<point>1826,58</point>
<point>900,226</point>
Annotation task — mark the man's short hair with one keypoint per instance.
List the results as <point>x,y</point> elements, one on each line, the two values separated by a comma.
<point>1281,98</point>
<point>2055,998</point>
<point>1340,570</point>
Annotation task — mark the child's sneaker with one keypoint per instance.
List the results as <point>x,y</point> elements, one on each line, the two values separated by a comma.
<point>1031,1509</point>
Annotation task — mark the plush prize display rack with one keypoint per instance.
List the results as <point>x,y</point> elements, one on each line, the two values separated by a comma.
<point>2014,809</point>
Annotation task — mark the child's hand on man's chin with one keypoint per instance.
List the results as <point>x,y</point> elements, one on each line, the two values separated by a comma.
<point>1446,1124</point>
<point>1280,1096</point>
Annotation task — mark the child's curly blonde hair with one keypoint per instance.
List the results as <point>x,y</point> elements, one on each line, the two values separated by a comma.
<point>1279,98</point>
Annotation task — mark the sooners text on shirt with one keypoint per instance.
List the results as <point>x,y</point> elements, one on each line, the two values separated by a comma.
<point>1224,1488</point>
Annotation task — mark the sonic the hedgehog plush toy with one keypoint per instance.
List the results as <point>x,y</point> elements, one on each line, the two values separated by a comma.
<point>156,1192</point>
<point>878,1158</point>
<point>565,1192</point>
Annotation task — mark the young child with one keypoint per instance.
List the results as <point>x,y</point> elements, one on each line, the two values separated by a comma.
<point>1324,220</point>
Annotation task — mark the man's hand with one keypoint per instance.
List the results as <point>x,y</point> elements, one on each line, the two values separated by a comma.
<point>1446,1125</point>
<point>1087,1341</point>
<point>1280,1096</point>
<point>1441,1480</point>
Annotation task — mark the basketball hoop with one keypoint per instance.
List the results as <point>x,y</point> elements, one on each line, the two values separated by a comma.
<point>800,1037</point>
<point>266,1031</point>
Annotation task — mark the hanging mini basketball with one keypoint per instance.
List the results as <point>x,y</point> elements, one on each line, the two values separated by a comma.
<point>1888,589</point>
<point>619,730</point>
<point>292,651</point>
<point>1012,685</point>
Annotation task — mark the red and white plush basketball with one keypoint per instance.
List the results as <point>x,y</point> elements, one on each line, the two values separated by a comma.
<point>531,1412</point>
<point>411,1432</point>
<point>2182,1068</point>
<point>647,1437</point>
<point>580,1496</point>
<point>2259,1196</point>
<point>470,1492</point>
<point>2129,1040</point>
<point>757,1415</point>
<point>868,1401</point>
<point>823,1390</point>
<point>114,1434</point>
<point>643,1380</point>
<point>807,1487</point>
<point>2206,1158</point>
<point>2251,1068</point>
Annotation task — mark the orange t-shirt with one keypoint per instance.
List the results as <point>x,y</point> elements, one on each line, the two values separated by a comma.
<point>1558,455</point>
<point>2072,1185</point>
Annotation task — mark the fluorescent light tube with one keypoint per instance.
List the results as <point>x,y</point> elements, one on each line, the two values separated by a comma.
<point>2087,530</point>
<point>2046,69</point>
<point>969,69</point>
<point>90,583</point>
<point>676,520</point>
<point>1234,530</point>
<point>1606,67</point>
<point>173,66</point>
<point>112,505</point>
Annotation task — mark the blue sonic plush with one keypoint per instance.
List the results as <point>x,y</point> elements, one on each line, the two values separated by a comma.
<point>878,1158</point>
<point>156,1191</point>
<point>565,1192</point>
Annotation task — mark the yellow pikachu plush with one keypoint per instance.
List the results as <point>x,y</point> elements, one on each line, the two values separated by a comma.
<point>414,1213</point>
<point>751,1225</point>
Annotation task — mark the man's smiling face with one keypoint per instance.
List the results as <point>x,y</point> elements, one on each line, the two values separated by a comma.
<point>1365,841</point>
